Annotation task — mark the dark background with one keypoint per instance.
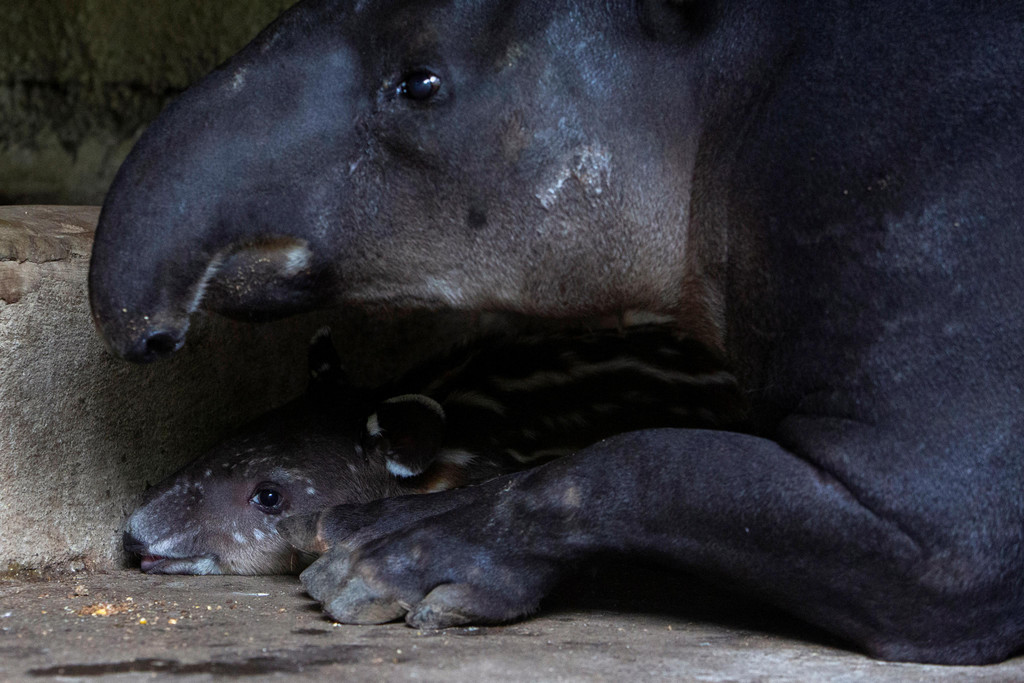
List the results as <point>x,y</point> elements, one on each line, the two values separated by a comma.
<point>80,79</point>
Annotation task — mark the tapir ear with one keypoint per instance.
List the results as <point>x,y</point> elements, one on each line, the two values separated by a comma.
<point>325,369</point>
<point>675,19</point>
<point>408,430</point>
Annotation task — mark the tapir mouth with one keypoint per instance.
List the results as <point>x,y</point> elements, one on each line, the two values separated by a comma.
<point>151,563</point>
<point>158,564</point>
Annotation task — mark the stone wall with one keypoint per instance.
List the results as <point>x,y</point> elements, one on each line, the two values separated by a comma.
<point>80,79</point>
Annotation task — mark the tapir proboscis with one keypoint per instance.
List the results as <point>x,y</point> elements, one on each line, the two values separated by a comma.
<point>827,194</point>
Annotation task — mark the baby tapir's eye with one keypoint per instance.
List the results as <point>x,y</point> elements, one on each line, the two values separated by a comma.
<point>419,85</point>
<point>268,499</point>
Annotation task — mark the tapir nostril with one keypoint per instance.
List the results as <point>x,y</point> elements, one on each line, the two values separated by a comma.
<point>154,346</point>
<point>131,544</point>
<point>162,343</point>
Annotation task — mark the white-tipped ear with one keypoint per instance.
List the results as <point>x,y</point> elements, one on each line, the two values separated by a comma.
<point>409,431</point>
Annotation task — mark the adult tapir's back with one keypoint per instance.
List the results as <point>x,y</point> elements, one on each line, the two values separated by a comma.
<point>885,193</point>
<point>827,192</point>
<point>884,190</point>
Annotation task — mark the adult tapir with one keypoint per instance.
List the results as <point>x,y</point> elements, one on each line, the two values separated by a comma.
<point>829,194</point>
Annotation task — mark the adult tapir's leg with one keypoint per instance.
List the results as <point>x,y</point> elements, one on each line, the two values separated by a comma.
<point>740,508</point>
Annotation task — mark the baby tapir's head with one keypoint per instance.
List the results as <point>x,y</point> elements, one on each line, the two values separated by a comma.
<point>219,514</point>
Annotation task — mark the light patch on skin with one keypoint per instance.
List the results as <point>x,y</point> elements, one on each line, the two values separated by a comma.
<point>511,56</point>
<point>539,380</point>
<point>200,290</point>
<point>399,470</point>
<point>425,401</point>
<point>516,455</point>
<point>319,370</point>
<point>206,566</point>
<point>238,82</point>
<point>239,538</point>
<point>169,546</point>
<point>296,258</point>
<point>310,491</point>
<point>373,426</point>
<point>323,332</point>
<point>572,498</point>
<point>591,165</point>
<point>456,457</point>
<point>633,318</point>
<point>443,290</point>
<point>208,473</point>
<point>258,535</point>
<point>476,400</point>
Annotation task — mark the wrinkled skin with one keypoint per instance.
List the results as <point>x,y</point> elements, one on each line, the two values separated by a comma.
<point>827,193</point>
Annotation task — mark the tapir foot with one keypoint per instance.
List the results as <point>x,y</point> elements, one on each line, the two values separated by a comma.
<point>437,560</point>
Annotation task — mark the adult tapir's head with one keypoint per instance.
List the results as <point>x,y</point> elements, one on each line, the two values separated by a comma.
<point>531,155</point>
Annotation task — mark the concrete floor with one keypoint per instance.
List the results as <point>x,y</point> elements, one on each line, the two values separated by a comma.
<point>130,626</point>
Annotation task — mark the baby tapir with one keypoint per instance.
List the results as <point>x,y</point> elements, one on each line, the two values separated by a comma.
<point>492,407</point>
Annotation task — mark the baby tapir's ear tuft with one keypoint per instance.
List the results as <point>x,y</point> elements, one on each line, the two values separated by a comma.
<point>325,369</point>
<point>408,430</point>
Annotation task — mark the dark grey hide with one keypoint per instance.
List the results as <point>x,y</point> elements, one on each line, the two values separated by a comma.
<point>827,193</point>
<point>496,406</point>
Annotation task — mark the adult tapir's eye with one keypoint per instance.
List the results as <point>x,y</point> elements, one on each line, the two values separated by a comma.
<point>268,499</point>
<point>419,85</point>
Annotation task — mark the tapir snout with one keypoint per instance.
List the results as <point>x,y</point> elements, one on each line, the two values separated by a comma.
<point>406,155</point>
<point>215,204</point>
